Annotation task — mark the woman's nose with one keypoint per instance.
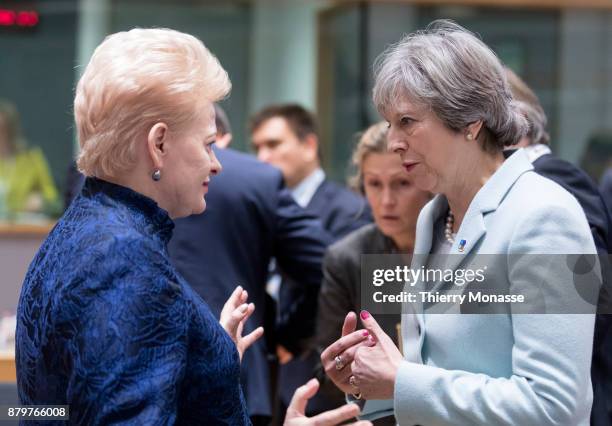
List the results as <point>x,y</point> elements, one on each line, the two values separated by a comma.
<point>387,198</point>
<point>216,166</point>
<point>394,142</point>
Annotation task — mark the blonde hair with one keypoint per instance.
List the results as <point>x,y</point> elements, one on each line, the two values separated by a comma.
<point>133,80</point>
<point>372,141</point>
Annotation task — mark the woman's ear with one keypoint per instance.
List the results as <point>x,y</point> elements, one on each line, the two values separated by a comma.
<point>155,144</point>
<point>472,130</point>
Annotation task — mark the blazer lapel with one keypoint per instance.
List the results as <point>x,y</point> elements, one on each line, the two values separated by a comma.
<point>471,232</point>
<point>487,199</point>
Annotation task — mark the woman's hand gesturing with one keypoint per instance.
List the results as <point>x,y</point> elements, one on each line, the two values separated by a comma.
<point>233,316</point>
<point>339,356</point>
<point>374,368</point>
<point>295,412</point>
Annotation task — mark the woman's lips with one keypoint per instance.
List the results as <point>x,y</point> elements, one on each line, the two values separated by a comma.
<point>408,166</point>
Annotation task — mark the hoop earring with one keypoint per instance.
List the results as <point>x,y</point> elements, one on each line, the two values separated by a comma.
<point>156,176</point>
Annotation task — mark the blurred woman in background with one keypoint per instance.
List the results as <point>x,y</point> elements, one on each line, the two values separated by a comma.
<point>26,184</point>
<point>395,204</point>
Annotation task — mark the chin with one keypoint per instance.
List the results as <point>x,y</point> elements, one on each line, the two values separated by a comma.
<point>199,209</point>
<point>386,231</point>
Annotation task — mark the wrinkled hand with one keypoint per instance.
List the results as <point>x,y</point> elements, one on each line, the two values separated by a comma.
<point>375,367</point>
<point>233,316</point>
<point>345,348</point>
<point>295,412</point>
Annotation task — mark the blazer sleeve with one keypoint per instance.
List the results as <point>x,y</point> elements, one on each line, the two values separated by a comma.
<point>335,297</point>
<point>550,381</point>
<point>299,246</point>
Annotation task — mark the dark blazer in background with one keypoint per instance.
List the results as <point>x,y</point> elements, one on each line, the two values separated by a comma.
<point>605,188</point>
<point>341,293</point>
<point>581,186</point>
<point>341,211</point>
<point>250,217</point>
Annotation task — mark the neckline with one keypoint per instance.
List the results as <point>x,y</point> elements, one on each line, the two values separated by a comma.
<point>136,202</point>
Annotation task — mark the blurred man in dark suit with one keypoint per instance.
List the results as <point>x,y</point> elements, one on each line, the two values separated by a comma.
<point>581,186</point>
<point>287,137</point>
<point>250,218</point>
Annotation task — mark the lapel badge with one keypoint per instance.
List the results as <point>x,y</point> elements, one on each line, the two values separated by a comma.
<point>462,244</point>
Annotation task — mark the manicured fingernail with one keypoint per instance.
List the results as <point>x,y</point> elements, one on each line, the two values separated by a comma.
<point>371,340</point>
<point>364,315</point>
<point>365,333</point>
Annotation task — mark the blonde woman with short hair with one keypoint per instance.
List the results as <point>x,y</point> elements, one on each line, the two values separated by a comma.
<point>105,324</point>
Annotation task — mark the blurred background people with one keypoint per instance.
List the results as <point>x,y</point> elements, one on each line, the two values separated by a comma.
<point>580,185</point>
<point>395,202</point>
<point>251,217</point>
<point>26,184</point>
<point>572,178</point>
<point>287,137</point>
<point>451,113</point>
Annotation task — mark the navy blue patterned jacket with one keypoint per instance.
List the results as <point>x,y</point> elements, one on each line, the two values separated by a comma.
<point>107,326</point>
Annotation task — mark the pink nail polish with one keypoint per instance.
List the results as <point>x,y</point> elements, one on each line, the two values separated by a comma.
<point>364,315</point>
<point>365,333</point>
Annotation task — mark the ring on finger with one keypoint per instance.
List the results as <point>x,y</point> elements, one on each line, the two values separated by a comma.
<point>339,363</point>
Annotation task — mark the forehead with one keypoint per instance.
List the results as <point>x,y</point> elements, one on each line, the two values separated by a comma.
<point>205,120</point>
<point>272,128</point>
<point>381,162</point>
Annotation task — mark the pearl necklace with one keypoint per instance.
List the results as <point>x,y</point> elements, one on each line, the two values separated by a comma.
<point>448,229</point>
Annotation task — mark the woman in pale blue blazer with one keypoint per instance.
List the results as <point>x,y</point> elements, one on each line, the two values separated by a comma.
<point>450,115</point>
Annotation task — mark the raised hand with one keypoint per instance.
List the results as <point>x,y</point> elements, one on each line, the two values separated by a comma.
<point>233,316</point>
<point>374,368</point>
<point>295,412</point>
<point>338,356</point>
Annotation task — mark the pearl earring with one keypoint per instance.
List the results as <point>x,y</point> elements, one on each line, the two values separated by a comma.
<point>156,176</point>
<point>470,137</point>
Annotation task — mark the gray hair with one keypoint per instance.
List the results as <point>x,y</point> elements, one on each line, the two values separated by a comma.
<point>529,104</point>
<point>449,70</point>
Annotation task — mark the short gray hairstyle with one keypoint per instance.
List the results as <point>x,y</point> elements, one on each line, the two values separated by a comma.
<point>529,104</point>
<point>449,70</point>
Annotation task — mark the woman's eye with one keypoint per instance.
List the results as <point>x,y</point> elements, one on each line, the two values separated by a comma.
<point>404,121</point>
<point>373,184</point>
<point>404,183</point>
